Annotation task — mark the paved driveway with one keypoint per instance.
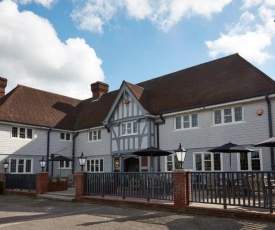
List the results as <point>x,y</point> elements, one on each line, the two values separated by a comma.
<point>19,212</point>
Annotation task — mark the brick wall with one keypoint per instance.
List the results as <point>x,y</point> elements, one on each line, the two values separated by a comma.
<point>79,185</point>
<point>42,182</point>
<point>3,179</point>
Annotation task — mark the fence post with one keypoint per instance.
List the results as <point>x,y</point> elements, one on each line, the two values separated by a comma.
<point>3,179</point>
<point>42,181</point>
<point>182,187</point>
<point>79,185</point>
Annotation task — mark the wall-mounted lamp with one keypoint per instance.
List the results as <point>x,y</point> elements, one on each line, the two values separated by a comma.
<point>6,165</point>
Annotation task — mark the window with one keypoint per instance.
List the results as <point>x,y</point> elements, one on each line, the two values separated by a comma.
<point>186,121</point>
<point>95,135</point>
<point>23,133</point>
<point>228,115</point>
<point>170,163</point>
<point>207,162</point>
<point>129,128</point>
<point>65,164</point>
<point>250,161</point>
<point>95,165</point>
<point>65,136</point>
<point>21,165</point>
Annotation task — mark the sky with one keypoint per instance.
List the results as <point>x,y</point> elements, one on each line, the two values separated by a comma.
<point>63,46</point>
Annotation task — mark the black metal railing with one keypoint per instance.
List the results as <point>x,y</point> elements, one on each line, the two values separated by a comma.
<point>249,189</point>
<point>21,181</point>
<point>138,185</point>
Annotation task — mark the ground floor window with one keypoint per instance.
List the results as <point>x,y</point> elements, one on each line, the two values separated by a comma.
<point>95,165</point>
<point>204,161</point>
<point>170,163</point>
<point>21,165</point>
<point>65,164</point>
<point>250,161</point>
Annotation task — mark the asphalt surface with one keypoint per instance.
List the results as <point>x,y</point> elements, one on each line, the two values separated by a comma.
<point>19,212</point>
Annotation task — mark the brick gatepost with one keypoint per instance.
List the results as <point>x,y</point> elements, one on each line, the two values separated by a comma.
<point>42,180</point>
<point>181,186</point>
<point>3,179</point>
<point>79,185</point>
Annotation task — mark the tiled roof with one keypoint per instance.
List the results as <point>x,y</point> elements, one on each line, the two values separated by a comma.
<point>223,80</point>
<point>36,107</point>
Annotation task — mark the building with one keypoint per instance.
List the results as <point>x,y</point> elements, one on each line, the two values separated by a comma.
<point>201,107</point>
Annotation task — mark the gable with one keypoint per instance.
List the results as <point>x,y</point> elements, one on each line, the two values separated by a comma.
<point>125,106</point>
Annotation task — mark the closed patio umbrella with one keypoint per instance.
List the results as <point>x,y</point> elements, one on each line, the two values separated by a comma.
<point>229,148</point>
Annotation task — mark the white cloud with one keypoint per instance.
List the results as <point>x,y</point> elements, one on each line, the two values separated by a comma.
<point>250,37</point>
<point>164,14</point>
<point>31,54</point>
<point>46,3</point>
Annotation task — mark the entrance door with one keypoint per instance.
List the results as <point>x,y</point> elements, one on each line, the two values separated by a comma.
<point>131,164</point>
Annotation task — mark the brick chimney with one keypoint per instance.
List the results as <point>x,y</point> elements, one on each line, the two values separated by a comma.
<point>3,84</point>
<point>98,88</point>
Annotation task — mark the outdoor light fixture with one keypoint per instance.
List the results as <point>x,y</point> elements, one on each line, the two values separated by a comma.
<point>82,161</point>
<point>180,153</point>
<point>116,163</point>
<point>6,165</point>
<point>42,163</point>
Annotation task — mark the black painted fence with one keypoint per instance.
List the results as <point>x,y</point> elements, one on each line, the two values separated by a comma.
<point>21,181</point>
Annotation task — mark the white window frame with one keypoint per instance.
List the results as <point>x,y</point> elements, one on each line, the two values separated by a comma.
<point>93,133</point>
<point>89,168</point>
<point>129,128</point>
<point>173,163</point>
<point>182,121</point>
<point>65,136</point>
<point>25,133</point>
<point>24,165</point>
<point>65,166</point>
<point>203,161</point>
<point>250,160</point>
<point>232,115</point>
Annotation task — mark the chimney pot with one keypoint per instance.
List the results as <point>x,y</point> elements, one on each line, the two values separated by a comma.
<point>3,84</point>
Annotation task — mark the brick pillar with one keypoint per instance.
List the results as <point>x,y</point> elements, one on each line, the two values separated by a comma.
<point>181,188</point>
<point>79,185</point>
<point>42,181</point>
<point>3,179</point>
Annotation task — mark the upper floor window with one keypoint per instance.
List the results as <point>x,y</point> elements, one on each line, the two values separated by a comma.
<point>228,115</point>
<point>128,128</point>
<point>95,165</point>
<point>65,136</point>
<point>207,161</point>
<point>250,161</point>
<point>95,135</point>
<point>186,121</point>
<point>23,133</point>
<point>21,165</point>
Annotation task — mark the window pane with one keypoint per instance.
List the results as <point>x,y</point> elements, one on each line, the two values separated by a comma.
<point>129,128</point>
<point>238,114</point>
<point>88,165</point>
<point>101,165</point>
<point>22,133</point>
<point>28,166</point>
<point>256,165</point>
<point>99,134</point>
<point>186,123</point>
<point>14,131</point>
<point>217,161</point>
<point>123,129</point>
<point>29,133</point>
<point>198,162</point>
<point>20,166</point>
<point>61,164</point>
<point>194,120</point>
<point>218,117</point>
<point>244,161</point>
<point>94,135</point>
<point>227,116</point>
<point>178,122</point>
<point>67,164</point>
<point>68,136</point>
<point>207,162</point>
<point>13,165</point>
<point>90,136</point>
<point>62,136</point>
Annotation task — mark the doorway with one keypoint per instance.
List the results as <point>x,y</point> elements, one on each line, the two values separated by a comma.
<point>131,164</point>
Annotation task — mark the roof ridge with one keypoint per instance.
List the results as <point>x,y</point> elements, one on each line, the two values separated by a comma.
<point>134,84</point>
<point>192,67</point>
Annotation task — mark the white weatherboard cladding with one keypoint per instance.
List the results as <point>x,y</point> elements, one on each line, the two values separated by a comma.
<point>19,146</point>
<point>253,130</point>
<point>93,148</point>
<point>58,146</point>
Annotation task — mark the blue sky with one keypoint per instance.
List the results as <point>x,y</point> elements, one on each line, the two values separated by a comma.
<point>63,46</point>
